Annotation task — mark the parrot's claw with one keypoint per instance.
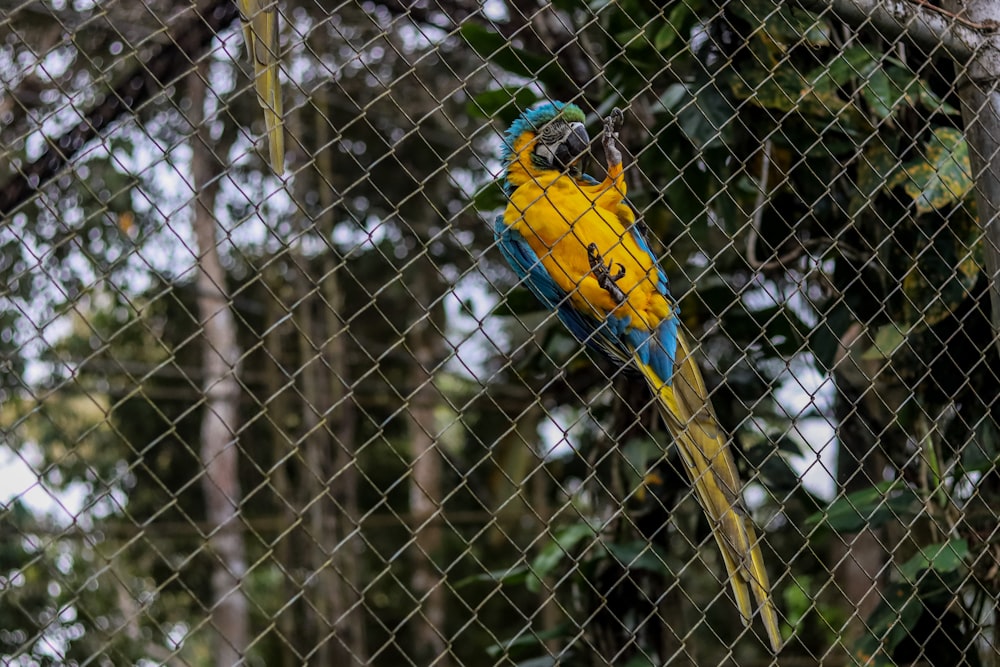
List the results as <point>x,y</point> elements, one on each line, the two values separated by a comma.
<point>602,272</point>
<point>612,124</point>
<point>616,119</point>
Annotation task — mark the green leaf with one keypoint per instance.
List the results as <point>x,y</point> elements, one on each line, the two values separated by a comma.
<point>673,96</point>
<point>639,555</point>
<point>885,88</point>
<point>785,89</point>
<point>672,27</point>
<point>875,169</point>
<point>554,552</point>
<point>490,197</point>
<point>891,621</point>
<point>880,94</point>
<point>943,557</point>
<point>629,38</point>
<point>944,266</point>
<point>508,577</point>
<point>933,103</point>
<point>942,176</point>
<point>541,661</point>
<point>773,470</point>
<point>872,507</point>
<point>528,639</point>
<point>890,88</point>
<point>497,49</point>
<point>781,24</point>
<point>848,65</point>
<point>796,24</point>
<point>825,340</point>
<point>888,340</point>
<point>639,453</point>
<point>708,122</point>
<point>982,451</point>
<point>504,104</point>
<point>665,36</point>
<point>799,598</point>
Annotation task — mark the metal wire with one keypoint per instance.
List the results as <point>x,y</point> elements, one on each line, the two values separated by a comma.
<point>315,418</point>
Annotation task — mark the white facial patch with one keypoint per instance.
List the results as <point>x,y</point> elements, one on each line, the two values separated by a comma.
<point>550,138</point>
<point>546,152</point>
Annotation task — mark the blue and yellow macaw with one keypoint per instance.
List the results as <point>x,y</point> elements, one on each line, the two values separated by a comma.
<point>575,244</point>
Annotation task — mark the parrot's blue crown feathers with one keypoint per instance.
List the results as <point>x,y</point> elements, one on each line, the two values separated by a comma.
<point>533,120</point>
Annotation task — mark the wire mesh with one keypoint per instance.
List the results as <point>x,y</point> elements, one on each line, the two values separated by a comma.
<point>312,416</point>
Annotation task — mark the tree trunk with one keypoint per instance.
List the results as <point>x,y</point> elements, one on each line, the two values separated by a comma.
<point>279,410</point>
<point>858,559</point>
<point>424,344</point>
<point>978,83</point>
<point>219,450</point>
<point>327,619</point>
<point>340,412</point>
<point>324,590</point>
<point>317,541</point>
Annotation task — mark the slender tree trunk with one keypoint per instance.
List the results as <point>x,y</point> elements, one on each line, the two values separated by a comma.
<point>279,411</point>
<point>325,595</point>
<point>858,558</point>
<point>424,344</point>
<point>516,460</point>
<point>219,444</point>
<point>541,508</point>
<point>341,413</point>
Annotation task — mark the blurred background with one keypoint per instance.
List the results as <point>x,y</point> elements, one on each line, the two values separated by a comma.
<point>313,419</point>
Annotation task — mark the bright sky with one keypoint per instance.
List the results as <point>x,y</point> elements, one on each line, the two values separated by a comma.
<point>18,479</point>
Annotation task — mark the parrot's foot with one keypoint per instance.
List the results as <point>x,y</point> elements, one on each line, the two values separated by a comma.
<point>602,272</point>
<point>612,124</point>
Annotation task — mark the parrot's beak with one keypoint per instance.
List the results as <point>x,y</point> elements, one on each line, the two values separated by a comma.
<point>573,147</point>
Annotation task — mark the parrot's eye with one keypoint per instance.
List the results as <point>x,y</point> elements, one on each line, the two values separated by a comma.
<point>552,133</point>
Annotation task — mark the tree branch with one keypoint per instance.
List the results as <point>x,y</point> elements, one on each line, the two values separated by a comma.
<point>921,23</point>
<point>171,62</point>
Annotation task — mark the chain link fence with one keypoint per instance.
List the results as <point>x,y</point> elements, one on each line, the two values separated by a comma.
<point>288,405</point>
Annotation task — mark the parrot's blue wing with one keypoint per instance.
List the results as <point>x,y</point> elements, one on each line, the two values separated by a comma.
<point>658,348</point>
<point>526,264</point>
<point>606,336</point>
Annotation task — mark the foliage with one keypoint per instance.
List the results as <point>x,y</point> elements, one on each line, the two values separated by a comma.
<point>866,198</point>
<point>808,189</point>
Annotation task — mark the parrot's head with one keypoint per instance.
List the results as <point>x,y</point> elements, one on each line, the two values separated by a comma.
<point>551,135</point>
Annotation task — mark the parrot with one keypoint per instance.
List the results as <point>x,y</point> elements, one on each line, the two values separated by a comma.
<point>577,245</point>
<point>260,32</point>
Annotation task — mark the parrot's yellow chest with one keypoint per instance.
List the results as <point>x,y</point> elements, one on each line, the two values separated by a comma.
<point>561,220</point>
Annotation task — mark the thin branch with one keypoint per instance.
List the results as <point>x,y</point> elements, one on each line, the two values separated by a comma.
<point>758,209</point>
<point>987,26</point>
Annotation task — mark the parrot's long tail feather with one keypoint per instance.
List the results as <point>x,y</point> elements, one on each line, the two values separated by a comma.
<point>260,28</point>
<point>710,466</point>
